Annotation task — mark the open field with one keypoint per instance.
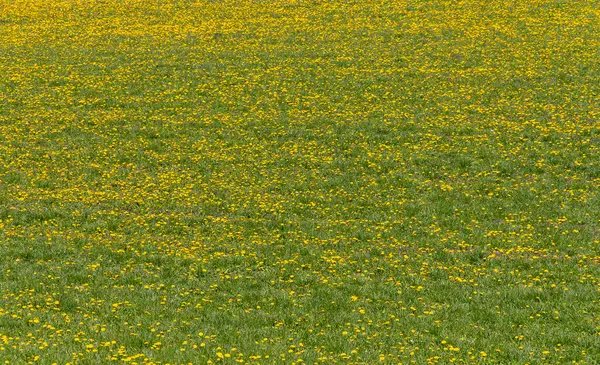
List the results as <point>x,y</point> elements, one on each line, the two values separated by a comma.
<point>300,182</point>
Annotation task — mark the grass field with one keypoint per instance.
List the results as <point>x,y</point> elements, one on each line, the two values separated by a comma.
<point>300,182</point>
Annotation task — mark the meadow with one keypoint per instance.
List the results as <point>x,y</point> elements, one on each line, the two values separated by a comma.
<point>300,182</point>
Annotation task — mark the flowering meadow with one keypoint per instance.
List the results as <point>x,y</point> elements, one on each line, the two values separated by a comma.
<point>299,182</point>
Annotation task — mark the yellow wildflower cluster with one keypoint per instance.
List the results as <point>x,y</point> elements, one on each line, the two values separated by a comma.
<point>299,181</point>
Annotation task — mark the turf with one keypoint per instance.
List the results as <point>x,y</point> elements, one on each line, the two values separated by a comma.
<point>287,182</point>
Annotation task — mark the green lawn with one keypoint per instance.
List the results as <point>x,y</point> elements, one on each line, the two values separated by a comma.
<point>300,182</point>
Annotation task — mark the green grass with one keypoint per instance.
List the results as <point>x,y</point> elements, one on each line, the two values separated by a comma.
<point>291,182</point>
